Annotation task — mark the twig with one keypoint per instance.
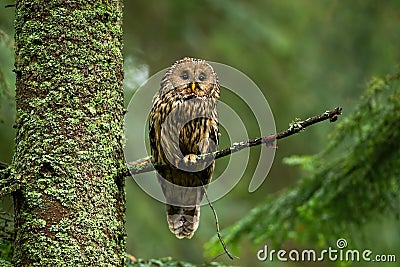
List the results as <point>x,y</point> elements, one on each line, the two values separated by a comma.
<point>217,224</point>
<point>145,165</point>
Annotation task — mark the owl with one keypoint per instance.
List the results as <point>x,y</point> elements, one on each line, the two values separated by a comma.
<point>183,123</point>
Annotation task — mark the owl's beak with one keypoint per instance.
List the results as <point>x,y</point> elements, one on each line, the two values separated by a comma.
<point>193,87</point>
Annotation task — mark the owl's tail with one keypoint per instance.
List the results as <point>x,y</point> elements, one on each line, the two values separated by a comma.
<point>183,221</point>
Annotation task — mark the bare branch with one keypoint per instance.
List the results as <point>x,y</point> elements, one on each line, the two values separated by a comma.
<point>145,165</point>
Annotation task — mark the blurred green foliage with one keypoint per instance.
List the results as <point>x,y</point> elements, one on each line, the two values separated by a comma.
<point>355,180</point>
<point>168,262</point>
<point>306,57</point>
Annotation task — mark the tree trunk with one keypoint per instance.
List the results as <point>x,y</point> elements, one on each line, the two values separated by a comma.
<point>70,209</point>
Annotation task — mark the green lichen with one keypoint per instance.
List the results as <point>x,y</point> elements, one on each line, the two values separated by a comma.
<point>70,208</point>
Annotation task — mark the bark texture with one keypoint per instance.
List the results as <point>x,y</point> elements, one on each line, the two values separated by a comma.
<point>69,210</point>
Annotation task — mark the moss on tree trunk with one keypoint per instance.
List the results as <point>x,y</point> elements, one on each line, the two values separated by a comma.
<point>68,62</point>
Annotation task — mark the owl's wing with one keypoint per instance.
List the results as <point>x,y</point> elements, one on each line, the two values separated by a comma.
<point>164,147</point>
<point>213,134</point>
<point>154,135</point>
<point>214,129</point>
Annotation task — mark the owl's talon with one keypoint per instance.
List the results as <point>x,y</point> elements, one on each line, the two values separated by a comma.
<point>190,159</point>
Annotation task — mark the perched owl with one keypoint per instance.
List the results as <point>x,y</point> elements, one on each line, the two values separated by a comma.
<point>184,123</point>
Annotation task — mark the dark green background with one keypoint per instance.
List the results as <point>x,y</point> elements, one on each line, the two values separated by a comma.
<point>306,57</point>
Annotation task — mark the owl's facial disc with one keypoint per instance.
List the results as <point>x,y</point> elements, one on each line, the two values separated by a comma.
<point>192,78</point>
<point>185,75</point>
<point>197,89</point>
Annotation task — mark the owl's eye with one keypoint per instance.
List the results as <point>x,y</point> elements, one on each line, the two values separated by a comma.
<point>185,75</point>
<point>202,77</point>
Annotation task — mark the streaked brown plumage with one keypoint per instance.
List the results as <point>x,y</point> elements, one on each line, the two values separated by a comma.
<point>183,123</point>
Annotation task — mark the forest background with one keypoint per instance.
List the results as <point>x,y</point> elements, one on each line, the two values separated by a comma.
<point>306,57</point>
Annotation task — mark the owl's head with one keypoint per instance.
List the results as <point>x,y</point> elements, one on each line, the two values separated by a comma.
<point>190,77</point>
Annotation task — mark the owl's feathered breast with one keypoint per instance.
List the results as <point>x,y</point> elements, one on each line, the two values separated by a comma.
<point>182,126</point>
